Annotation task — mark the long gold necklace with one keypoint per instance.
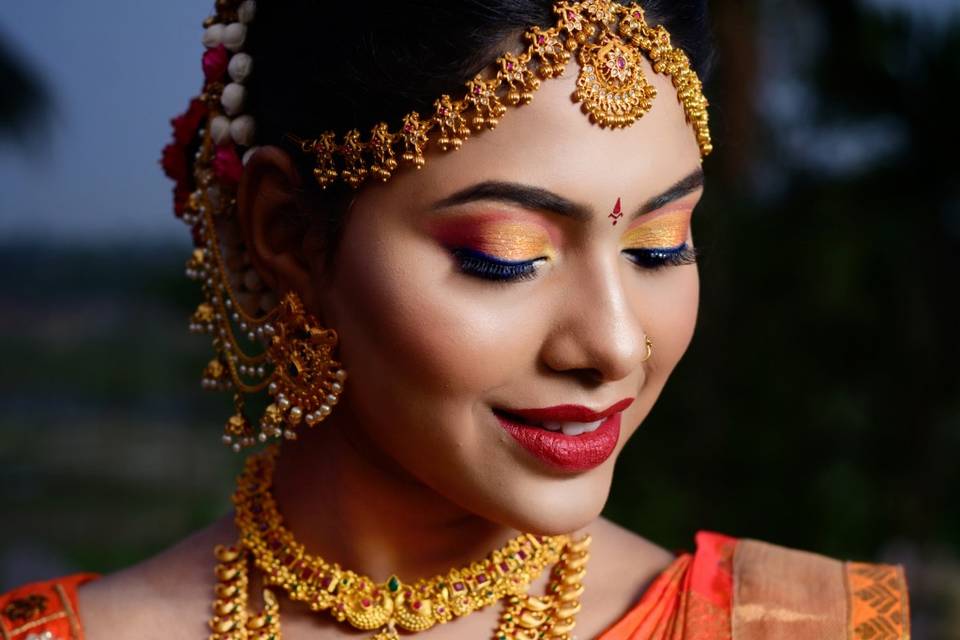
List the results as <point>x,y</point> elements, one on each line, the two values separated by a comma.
<point>505,574</point>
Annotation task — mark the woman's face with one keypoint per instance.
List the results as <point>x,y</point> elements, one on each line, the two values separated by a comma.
<point>435,352</point>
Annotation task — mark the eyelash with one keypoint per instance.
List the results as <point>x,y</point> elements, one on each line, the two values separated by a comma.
<point>476,263</point>
<point>480,265</point>
<point>655,259</point>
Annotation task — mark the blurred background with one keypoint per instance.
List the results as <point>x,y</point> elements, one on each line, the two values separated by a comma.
<point>818,407</point>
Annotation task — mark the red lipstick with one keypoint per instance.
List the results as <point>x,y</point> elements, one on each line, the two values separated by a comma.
<point>567,453</point>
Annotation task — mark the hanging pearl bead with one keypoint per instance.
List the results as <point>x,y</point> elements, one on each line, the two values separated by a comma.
<point>241,130</point>
<point>220,129</point>
<point>239,67</point>
<point>232,98</point>
<point>233,35</point>
<point>213,35</point>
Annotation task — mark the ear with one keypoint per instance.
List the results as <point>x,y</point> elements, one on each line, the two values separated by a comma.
<point>270,218</point>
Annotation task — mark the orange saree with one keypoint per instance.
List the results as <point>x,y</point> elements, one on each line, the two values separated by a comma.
<point>742,589</point>
<point>727,589</point>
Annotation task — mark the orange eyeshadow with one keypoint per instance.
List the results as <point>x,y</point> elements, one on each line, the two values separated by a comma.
<point>505,239</point>
<point>662,232</point>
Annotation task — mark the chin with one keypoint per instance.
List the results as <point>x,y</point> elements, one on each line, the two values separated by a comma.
<point>552,505</point>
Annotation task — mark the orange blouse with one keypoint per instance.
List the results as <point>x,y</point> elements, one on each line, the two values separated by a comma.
<point>727,589</point>
<point>43,610</point>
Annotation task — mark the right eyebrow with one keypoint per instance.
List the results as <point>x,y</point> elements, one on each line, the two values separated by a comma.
<point>526,196</point>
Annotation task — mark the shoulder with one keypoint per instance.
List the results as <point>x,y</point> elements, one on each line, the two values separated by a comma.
<point>801,594</point>
<point>43,610</point>
<point>166,596</point>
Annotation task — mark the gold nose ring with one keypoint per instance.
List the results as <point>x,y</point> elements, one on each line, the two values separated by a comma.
<point>649,344</point>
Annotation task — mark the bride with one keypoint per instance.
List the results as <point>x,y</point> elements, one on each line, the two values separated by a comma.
<point>447,268</point>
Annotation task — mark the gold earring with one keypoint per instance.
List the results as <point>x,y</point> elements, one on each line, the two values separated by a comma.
<point>306,381</point>
<point>649,344</point>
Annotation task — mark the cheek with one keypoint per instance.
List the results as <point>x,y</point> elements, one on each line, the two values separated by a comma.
<point>409,320</point>
<point>669,310</point>
<point>676,315</point>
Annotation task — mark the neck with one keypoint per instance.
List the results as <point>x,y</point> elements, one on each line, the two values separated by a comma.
<point>347,502</point>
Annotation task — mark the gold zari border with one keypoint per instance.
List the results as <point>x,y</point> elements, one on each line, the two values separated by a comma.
<point>879,607</point>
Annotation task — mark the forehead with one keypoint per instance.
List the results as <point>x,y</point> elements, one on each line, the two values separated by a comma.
<point>551,143</point>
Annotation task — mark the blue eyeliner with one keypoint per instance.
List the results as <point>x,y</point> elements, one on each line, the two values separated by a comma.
<point>663,257</point>
<point>484,266</point>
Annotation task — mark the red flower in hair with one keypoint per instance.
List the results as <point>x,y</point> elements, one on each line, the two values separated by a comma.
<point>185,126</point>
<point>176,160</point>
<point>181,195</point>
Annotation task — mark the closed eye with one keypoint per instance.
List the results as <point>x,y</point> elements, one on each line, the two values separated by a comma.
<point>658,258</point>
<point>481,265</point>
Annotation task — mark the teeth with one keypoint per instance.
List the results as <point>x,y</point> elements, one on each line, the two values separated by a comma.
<point>572,428</point>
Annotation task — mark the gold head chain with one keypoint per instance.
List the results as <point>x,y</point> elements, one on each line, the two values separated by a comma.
<point>608,39</point>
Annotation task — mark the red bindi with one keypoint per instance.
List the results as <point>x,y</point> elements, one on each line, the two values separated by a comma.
<point>616,214</point>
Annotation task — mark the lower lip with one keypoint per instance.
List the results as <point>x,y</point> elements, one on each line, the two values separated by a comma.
<point>567,453</point>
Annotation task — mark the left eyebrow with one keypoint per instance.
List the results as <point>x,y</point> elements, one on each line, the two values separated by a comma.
<point>537,199</point>
<point>679,189</point>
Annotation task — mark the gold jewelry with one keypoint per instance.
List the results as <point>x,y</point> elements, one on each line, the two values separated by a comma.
<point>306,380</point>
<point>609,39</point>
<point>649,344</point>
<point>295,363</point>
<point>231,619</point>
<point>505,574</point>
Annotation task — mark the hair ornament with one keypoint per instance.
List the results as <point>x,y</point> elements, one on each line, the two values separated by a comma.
<point>260,344</point>
<point>609,40</point>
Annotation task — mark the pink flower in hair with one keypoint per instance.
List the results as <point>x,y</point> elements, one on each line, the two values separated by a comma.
<point>226,164</point>
<point>215,62</point>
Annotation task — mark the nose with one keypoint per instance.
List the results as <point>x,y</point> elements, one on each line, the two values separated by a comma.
<point>595,328</point>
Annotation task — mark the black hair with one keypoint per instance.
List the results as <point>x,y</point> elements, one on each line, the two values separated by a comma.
<point>321,65</point>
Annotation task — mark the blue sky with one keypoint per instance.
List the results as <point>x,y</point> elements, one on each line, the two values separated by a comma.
<point>117,71</point>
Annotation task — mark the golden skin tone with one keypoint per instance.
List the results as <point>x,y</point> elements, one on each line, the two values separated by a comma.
<point>411,474</point>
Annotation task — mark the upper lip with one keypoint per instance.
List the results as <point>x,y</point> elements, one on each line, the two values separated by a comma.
<point>569,412</point>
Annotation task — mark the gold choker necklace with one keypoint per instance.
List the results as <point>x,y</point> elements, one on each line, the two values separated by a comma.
<point>505,574</point>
